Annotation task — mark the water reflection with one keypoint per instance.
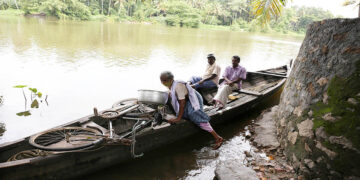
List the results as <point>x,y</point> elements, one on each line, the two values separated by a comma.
<point>2,129</point>
<point>2,125</point>
<point>1,99</point>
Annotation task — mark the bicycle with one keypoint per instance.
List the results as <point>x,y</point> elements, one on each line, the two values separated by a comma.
<point>80,138</point>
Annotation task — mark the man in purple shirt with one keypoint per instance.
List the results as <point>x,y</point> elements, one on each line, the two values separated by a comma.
<point>233,77</point>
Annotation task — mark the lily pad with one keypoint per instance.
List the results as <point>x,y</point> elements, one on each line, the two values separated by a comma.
<point>34,90</point>
<point>19,86</point>
<point>25,113</point>
<point>35,104</point>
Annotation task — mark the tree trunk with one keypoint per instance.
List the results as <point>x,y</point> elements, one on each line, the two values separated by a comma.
<point>17,7</point>
<point>119,8</point>
<point>109,7</point>
<point>102,6</point>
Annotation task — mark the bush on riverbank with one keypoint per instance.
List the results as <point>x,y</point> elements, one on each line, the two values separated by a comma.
<point>71,9</point>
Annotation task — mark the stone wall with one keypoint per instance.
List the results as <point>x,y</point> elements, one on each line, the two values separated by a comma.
<point>318,121</point>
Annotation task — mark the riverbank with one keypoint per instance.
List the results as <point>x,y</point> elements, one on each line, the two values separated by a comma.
<point>153,20</point>
<point>265,159</point>
<point>318,116</point>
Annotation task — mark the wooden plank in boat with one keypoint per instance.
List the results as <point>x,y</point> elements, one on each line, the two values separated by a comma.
<point>11,144</point>
<point>128,110</point>
<point>14,163</point>
<point>268,74</point>
<point>250,92</point>
<point>91,124</point>
<point>276,73</point>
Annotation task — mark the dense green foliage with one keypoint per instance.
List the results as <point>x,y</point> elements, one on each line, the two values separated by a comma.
<point>235,14</point>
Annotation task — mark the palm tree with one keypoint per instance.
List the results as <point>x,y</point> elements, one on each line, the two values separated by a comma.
<point>352,2</point>
<point>264,10</point>
<point>120,2</point>
<point>17,7</point>
<point>102,6</point>
<point>236,7</point>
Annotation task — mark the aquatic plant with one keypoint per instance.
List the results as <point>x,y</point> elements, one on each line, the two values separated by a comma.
<point>35,97</point>
<point>1,100</point>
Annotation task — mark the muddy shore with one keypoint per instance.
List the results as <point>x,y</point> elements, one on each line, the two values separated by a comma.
<point>265,160</point>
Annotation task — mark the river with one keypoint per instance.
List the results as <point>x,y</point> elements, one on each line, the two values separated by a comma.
<point>80,65</point>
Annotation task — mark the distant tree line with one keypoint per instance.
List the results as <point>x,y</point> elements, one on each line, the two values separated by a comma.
<point>189,13</point>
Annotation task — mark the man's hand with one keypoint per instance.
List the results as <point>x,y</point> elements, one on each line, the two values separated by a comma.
<point>201,81</point>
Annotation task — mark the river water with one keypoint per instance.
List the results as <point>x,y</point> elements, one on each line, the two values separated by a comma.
<point>80,65</point>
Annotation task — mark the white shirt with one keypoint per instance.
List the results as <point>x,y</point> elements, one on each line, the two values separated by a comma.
<point>210,70</point>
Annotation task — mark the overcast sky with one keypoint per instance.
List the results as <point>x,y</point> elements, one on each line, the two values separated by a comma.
<point>334,6</point>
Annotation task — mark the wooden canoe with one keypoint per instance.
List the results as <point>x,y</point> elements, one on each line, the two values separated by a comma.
<point>59,165</point>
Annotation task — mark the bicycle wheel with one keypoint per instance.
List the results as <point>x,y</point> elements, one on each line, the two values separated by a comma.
<point>66,139</point>
<point>109,114</point>
<point>130,101</point>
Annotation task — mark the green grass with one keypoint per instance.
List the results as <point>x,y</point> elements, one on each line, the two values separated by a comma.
<point>11,12</point>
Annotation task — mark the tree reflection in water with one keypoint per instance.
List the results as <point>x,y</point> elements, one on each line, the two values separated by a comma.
<point>2,129</point>
<point>2,126</point>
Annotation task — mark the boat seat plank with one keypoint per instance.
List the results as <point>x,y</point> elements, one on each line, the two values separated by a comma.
<point>244,91</point>
<point>268,74</point>
<point>93,125</point>
<point>14,163</point>
<point>276,73</point>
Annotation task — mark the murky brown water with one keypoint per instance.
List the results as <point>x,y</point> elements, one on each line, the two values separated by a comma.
<point>81,65</point>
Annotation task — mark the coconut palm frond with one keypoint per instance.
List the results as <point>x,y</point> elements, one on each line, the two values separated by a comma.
<point>350,2</point>
<point>264,10</point>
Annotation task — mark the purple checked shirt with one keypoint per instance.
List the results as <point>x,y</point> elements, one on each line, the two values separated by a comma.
<point>235,73</point>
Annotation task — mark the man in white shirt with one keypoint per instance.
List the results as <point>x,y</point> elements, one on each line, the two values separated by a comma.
<point>188,103</point>
<point>210,79</point>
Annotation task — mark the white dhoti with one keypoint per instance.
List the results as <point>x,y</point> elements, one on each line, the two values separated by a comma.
<point>223,92</point>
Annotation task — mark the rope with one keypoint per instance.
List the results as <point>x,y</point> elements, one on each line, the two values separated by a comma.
<point>38,152</point>
<point>28,154</point>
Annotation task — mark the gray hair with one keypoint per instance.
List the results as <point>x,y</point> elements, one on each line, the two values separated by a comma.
<point>167,74</point>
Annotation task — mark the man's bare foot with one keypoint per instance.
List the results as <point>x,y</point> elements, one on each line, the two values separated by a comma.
<point>218,105</point>
<point>218,143</point>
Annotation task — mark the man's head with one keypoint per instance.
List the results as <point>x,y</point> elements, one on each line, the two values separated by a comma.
<point>235,61</point>
<point>166,78</point>
<point>211,59</point>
